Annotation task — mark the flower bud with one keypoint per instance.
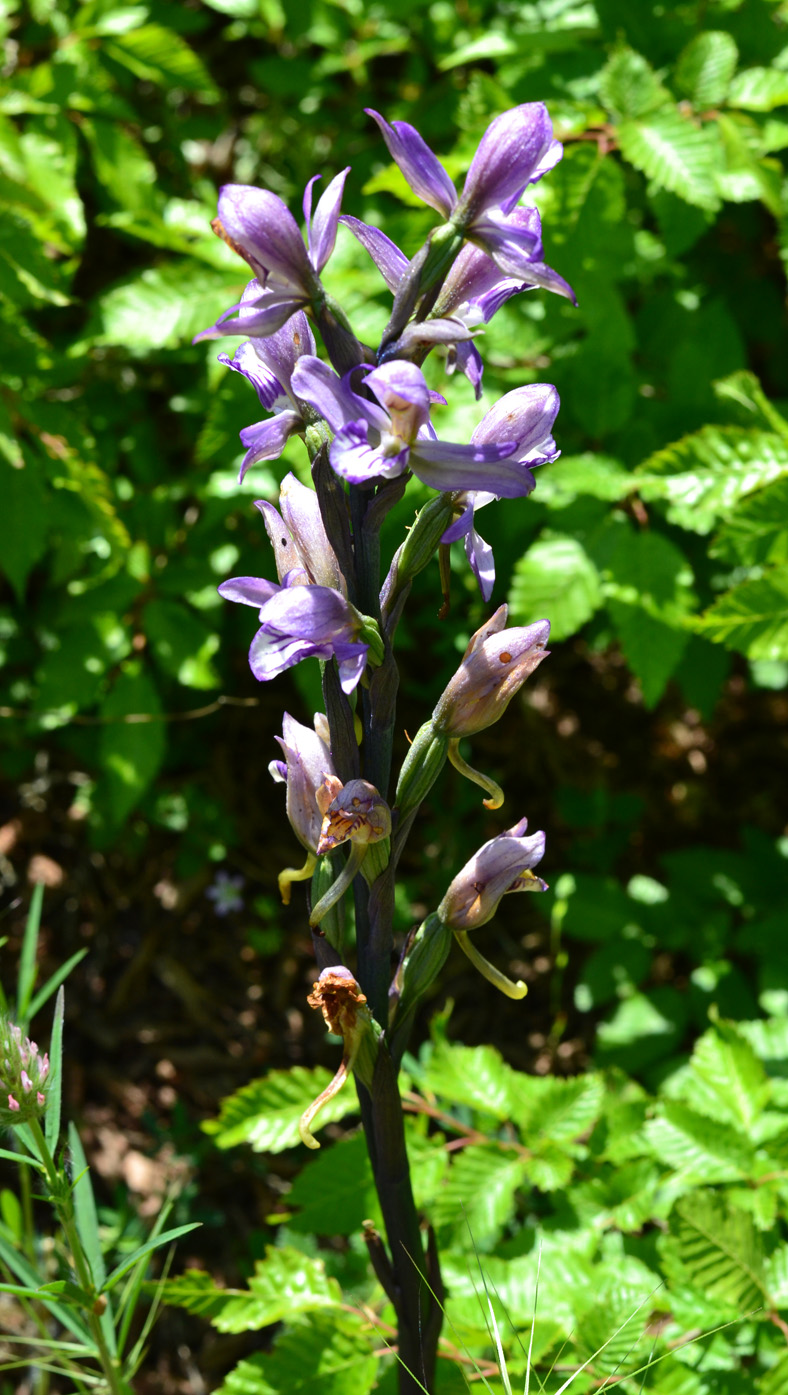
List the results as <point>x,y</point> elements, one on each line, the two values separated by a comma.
<point>422,960</point>
<point>23,1073</point>
<point>494,667</point>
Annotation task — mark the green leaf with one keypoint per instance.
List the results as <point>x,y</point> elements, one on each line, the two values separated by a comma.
<point>334,1193</point>
<point>332,1353</point>
<point>703,476</point>
<point>675,154</point>
<point>182,643</point>
<point>476,1076</point>
<point>88,1228</point>
<point>26,975</point>
<point>26,524</point>
<point>652,648</point>
<point>698,1149</point>
<point>50,152</point>
<point>54,1092</point>
<point>628,85</point>
<point>560,1110</point>
<point>285,1283</point>
<point>720,1251</point>
<point>706,66</point>
<point>642,1029</point>
<point>265,1113</point>
<point>166,1238</point>
<point>557,578</point>
<point>725,1079</point>
<point>155,54</point>
<point>479,1192</point>
<point>163,307</point>
<point>591,475</point>
<point>131,751</point>
<point>753,617</point>
<point>53,983</point>
<point>757,533</point>
<point>744,389</point>
<point>746,176</point>
<point>120,162</point>
<point>759,89</point>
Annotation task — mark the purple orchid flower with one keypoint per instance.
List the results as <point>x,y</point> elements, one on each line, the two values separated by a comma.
<point>304,556</point>
<point>268,365</point>
<point>525,415</point>
<point>383,439</point>
<point>500,866</point>
<point>516,150</point>
<point>262,230</point>
<point>300,622</point>
<point>473,291</point>
<point>305,767</point>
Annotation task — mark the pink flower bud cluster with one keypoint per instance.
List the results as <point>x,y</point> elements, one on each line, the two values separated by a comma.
<point>23,1073</point>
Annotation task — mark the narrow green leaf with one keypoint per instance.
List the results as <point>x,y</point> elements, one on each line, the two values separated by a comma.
<point>52,984</point>
<point>21,1158</point>
<point>266,1112</point>
<point>146,1249</point>
<point>52,1120</point>
<point>675,154</point>
<point>27,957</point>
<point>23,1269</point>
<point>556,578</point>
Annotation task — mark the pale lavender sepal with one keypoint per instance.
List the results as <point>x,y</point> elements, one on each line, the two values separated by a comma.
<point>525,416</point>
<point>247,362</point>
<point>263,226</point>
<point>446,466</point>
<point>354,459</point>
<point>516,149</point>
<point>432,332</point>
<point>422,169</point>
<point>267,439</point>
<point>390,262</point>
<point>401,388</point>
<point>308,761</point>
<point>351,660</point>
<point>466,358</point>
<point>301,622</point>
<point>511,247</point>
<point>286,553</point>
<point>273,311</point>
<point>482,562</point>
<point>304,522</point>
<point>281,350</point>
<point>322,229</point>
<point>248,590</point>
<point>314,382</point>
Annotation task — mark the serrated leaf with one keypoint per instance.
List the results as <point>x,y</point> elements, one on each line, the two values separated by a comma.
<point>652,649</point>
<point>628,85</point>
<point>266,1112</point>
<point>720,1250</point>
<point>550,1167</point>
<point>285,1283</point>
<point>159,55</point>
<point>479,1191</point>
<point>560,1110</point>
<point>120,162</point>
<point>725,1079</point>
<point>759,89</point>
<point>675,154</point>
<point>697,1148</point>
<point>747,175</point>
<point>706,66</point>
<point>744,389</point>
<point>757,533</point>
<point>557,578</point>
<point>163,307</point>
<point>333,1353</point>
<point>777,1277</point>
<point>592,475</point>
<point>476,1076</point>
<point>703,476</point>
<point>753,617</point>
<point>334,1192</point>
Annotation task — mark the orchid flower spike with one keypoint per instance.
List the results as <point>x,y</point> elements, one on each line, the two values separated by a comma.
<point>307,764</point>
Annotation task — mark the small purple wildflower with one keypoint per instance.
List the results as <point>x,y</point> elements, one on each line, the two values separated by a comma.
<point>225,892</point>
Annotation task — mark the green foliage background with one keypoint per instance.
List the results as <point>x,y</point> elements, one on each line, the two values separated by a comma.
<point>660,536</point>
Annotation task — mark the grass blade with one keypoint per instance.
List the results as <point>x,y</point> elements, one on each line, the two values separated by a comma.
<point>27,957</point>
<point>45,993</point>
<point>52,1121</point>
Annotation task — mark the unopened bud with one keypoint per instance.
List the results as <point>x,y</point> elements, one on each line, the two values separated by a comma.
<point>422,960</point>
<point>494,667</point>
